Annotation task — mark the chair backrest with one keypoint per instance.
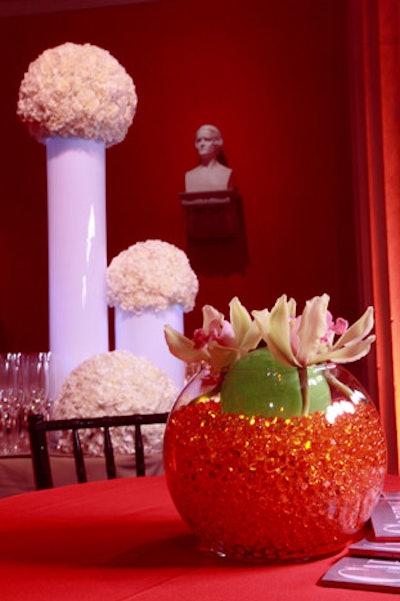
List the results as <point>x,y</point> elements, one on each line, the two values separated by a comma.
<point>38,427</point>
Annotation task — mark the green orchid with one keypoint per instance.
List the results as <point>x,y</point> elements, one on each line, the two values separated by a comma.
<point>219,343</point>
<point>295,342</point>
<point>309,339</point>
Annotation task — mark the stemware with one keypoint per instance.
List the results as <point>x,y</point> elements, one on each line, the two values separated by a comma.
<point>24,387</point>
<point>11,402</point>
<point>36,381</point>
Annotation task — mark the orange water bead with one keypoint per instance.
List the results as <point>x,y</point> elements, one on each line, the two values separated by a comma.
<point>261,488</point>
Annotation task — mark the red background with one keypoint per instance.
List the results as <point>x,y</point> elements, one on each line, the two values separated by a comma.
<point>272,75</point>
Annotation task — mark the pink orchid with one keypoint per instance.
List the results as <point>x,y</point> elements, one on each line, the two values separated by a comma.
<point>309,338</point>
<point>219,342</point>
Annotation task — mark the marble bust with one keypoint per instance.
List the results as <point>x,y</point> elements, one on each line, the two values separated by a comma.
<point>211,173</point>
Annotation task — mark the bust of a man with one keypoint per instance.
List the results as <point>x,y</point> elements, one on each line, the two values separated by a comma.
<point>210,174</point>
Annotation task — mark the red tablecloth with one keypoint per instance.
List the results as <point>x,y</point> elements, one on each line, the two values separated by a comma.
<point>122,540</point>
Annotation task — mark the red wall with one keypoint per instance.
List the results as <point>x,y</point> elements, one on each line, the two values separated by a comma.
<point>272,75</point>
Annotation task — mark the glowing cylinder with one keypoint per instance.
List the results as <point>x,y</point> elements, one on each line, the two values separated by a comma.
<point>143,335</point>
<point>77,253</point>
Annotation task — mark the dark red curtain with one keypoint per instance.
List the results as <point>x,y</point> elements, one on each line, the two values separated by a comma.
<point>374,27</point>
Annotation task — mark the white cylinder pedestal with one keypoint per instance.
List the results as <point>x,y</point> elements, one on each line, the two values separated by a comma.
<point>143,335</point>
<point>77,249</point>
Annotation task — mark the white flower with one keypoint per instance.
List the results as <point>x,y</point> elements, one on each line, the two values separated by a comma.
<point>78,91</point>
<point>115,383</point>
<point>151,275</point>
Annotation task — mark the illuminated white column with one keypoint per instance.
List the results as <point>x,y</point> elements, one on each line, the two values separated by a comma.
<point>77,248</point>
<point>143,335</point>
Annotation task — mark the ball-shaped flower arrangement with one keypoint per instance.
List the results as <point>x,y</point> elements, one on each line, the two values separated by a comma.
<point>115,383</point>
<point>77,90</point>
<point>151,275</point>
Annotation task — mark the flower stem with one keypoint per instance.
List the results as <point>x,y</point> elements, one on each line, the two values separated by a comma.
<point>305,392</point>
<point>346,390</point>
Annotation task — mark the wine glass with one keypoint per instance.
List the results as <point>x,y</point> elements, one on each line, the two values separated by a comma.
<point>36,381</point>
<point>11,403</point>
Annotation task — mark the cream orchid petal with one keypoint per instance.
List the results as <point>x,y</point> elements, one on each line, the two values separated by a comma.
<point>221,356</point>
<point>312,328</point>
<point>278,333</point>
<point>284,358</point>
<point>261,318</point>
<point>209,315</point>
<point>346,354</point>
<point>240,319</point>
<point>358,330</point>
<point>251,339</point>
<point>182,347</point>
<point>292,308</point>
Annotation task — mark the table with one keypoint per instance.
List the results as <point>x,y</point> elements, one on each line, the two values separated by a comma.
<point>123,540</point>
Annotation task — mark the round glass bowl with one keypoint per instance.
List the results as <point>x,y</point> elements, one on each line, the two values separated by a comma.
<point>267,488</point>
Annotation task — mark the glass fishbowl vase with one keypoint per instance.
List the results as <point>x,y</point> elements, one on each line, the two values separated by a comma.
<point>259,479</point>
